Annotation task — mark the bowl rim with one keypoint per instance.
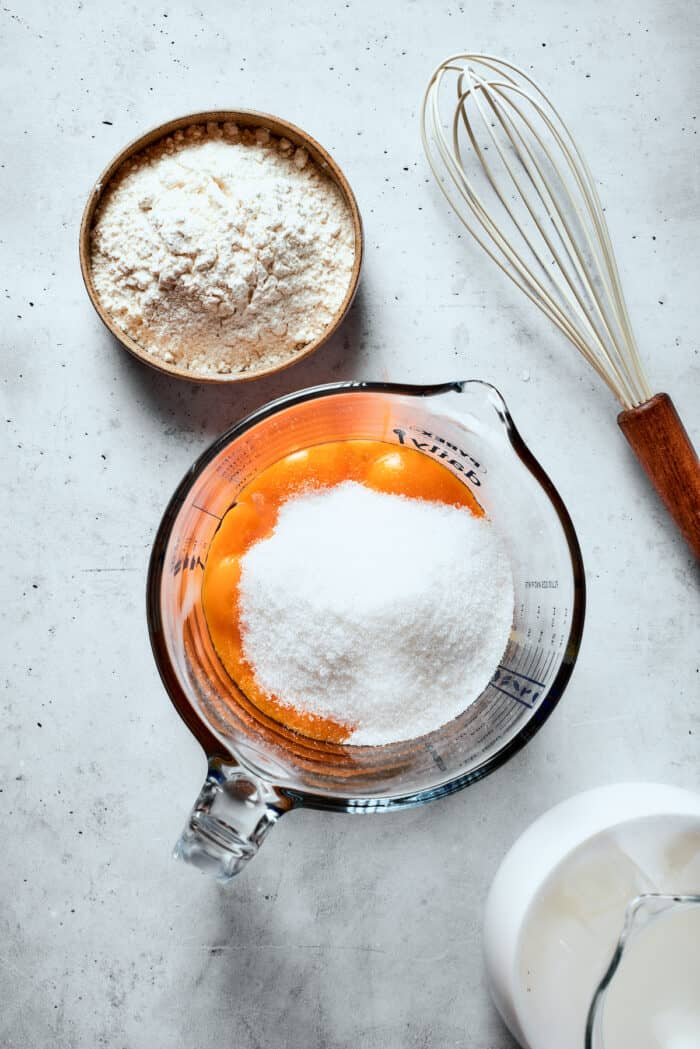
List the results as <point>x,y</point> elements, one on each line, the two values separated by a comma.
<point>247,118</point>
<point>300,797</point>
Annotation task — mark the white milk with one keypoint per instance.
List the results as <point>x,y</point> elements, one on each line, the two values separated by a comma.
<point>573,924</point>
<point>654,998</point>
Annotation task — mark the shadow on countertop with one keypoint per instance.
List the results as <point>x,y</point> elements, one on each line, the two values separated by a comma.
<point>336,938</point>
<point>212,408</point>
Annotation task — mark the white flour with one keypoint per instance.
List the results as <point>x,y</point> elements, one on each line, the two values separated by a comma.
<point>386,612</point>
<point>223,251</point>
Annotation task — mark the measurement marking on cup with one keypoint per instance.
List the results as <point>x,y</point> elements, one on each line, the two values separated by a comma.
<point>549,662</point>
<point>207,511</point>
<point>516,698</point>
<point>187,563</point>
<point>443,450</point>
<point>532,665</point>
<point>507,684</point>
<point>532,680</point>
<point>436,757</point>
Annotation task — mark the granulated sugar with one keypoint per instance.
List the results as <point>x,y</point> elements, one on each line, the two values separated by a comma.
<point>384,612</point>
<point>223,250</point>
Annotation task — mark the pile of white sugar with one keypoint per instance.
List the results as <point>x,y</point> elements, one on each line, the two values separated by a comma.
<point>222,250</point>
<point>377,610</point>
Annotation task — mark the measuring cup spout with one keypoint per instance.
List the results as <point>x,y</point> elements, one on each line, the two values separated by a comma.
<point>478,402</point>
<point>231,817</point>
<point>640,913</point>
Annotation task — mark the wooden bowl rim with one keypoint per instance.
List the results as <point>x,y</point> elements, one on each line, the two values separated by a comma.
<point>248,118</point>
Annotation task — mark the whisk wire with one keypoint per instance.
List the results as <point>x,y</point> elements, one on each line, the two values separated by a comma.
<point>535,175</point>
<point>545,193</point>
<point>520,275</point>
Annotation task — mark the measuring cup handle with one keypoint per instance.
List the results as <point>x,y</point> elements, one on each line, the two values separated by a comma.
<point>231,817</point>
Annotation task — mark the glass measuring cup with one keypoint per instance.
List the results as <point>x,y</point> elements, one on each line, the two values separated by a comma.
<point>258,768</point>
<point>651,989</point>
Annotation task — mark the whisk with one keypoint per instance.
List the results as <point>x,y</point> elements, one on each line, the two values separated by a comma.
<point>509,166</point>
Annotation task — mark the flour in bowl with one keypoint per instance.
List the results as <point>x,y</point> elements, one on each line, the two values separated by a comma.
<point>380,611</point>
<point>221,250</point>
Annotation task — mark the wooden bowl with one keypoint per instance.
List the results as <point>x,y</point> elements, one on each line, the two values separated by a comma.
<point>248,119</point>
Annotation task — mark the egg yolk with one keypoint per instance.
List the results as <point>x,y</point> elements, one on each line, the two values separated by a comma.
<point>396,470</point>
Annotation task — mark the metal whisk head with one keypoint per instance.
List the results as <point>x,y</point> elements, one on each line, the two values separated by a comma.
<point>510,168</point>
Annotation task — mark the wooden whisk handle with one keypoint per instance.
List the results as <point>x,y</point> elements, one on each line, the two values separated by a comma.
<point>660,442</point>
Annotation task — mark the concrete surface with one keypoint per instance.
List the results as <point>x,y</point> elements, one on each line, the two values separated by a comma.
<point>345,933</point>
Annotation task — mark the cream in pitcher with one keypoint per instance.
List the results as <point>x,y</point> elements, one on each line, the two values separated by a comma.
<point>592,926</point>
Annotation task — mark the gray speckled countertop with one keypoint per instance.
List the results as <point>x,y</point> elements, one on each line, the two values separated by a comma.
<point>345,933</point>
